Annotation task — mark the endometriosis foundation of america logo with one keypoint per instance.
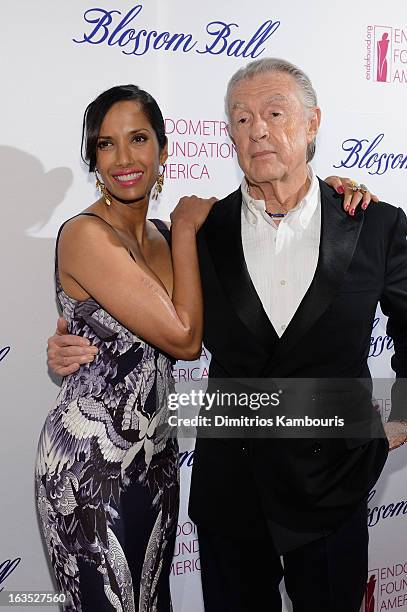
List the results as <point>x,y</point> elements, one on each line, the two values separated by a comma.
<point>385,59</point>
<point>371,595</point>
<point>386,588</point>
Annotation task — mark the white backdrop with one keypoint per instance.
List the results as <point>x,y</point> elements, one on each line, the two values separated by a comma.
<point>56,57</point>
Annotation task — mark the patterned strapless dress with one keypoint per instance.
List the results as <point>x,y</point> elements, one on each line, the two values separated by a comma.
<point>107,479</point>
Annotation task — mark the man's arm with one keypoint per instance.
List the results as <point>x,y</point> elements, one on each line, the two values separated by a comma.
<point>67,352</point>
<point>394,305</point>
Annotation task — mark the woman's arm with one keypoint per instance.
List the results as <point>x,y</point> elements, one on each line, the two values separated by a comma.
<point>93,256</point>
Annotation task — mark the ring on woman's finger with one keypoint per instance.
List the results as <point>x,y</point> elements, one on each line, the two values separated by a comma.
<point>354,186</point>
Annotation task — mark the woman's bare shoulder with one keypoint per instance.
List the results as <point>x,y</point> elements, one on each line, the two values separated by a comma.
<point>89,229</point>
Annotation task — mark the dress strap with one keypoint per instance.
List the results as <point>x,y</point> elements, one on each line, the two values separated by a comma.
<point>163,229</point>
<point>91,214</point>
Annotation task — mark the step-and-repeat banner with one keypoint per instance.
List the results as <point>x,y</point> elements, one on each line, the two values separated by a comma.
<point>56,57</point>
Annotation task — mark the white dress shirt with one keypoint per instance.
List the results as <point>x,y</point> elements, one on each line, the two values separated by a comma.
<point>282,259</point>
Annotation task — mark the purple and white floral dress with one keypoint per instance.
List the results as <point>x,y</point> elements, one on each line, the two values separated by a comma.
<point>107,477</point>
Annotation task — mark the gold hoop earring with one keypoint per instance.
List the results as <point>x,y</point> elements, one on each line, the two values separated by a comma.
<point>159,184</point>
<point>103,189</point>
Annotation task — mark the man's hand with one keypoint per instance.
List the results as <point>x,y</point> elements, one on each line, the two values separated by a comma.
<point>66,353</point>
<point>396,432</point>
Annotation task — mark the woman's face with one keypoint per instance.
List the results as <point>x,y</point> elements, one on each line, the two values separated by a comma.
<point>128,155</point>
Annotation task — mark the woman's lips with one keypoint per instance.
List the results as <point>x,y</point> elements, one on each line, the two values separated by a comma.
<point>127,179</point>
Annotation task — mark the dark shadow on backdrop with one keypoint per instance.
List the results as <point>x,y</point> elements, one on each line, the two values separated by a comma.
<point>29,196</point>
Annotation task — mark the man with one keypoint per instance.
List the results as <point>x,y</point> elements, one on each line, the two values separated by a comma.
<point>291,284</point>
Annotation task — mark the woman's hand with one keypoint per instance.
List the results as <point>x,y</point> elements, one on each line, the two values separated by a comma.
<point>352,198</point>
<point>192,211</point>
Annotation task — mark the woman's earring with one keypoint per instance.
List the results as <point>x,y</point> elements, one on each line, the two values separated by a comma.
<point>103,189</point>
<point>159,184</point>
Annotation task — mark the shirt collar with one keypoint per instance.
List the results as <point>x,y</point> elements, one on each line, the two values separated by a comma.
<point>304,211</point>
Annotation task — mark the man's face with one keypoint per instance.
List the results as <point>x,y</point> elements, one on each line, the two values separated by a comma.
<point>270,126</point>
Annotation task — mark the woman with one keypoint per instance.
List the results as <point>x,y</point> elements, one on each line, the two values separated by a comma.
<point>107,466</point>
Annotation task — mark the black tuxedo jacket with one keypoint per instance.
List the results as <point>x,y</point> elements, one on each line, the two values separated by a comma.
<point>304,484</point>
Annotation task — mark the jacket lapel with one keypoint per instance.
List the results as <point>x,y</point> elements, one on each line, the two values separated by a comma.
<point>224,240</point>
<point>339,236</point>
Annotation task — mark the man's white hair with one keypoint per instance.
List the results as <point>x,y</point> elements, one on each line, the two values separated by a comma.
<point>275,64</point>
